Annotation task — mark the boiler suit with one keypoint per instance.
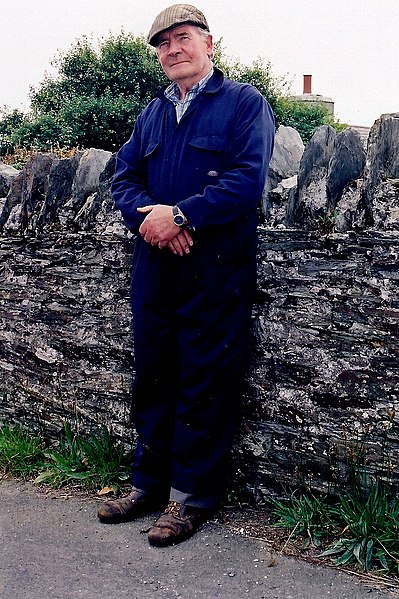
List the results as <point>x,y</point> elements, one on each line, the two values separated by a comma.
<point>191,313</point>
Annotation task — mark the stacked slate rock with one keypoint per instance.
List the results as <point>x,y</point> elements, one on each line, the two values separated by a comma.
<point>283,175</point>
<point>340,185</point>
<point>50,193</point>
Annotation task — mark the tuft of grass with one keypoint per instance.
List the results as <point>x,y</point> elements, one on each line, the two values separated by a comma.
<point>309,516</point>
<point>365,528</point>
<point>92,463</point>
<point>21,454</point>
<point>370,534</point>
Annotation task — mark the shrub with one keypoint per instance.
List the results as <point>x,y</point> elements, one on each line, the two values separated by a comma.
<point>95,98</point>
<point>10,120</point>
<point>305,118</point>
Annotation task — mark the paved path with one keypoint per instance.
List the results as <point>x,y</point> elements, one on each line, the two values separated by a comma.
<point>54,548</point>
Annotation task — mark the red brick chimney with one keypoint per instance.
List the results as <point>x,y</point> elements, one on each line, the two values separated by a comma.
<point>307,84</point>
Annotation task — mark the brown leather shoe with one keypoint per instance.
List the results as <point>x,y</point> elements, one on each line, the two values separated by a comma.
<point>177,523</point>
<point>133,506</point>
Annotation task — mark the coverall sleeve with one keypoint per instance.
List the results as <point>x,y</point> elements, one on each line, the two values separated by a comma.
<point>240,187</point>
<point>129,185</point>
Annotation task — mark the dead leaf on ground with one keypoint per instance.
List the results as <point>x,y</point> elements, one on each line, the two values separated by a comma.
<point>105,491</point>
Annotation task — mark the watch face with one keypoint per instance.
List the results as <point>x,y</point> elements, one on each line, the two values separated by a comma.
<point>178,220</point>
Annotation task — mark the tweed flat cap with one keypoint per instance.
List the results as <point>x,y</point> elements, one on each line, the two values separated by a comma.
<point>173,16</point>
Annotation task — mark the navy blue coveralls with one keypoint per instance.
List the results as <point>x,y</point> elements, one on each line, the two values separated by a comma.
<point>191,314</point>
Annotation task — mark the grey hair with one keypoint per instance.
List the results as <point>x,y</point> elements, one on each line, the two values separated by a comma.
<point>203,32</point>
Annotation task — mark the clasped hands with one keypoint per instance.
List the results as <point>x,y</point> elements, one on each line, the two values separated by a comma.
<point>159,229</point>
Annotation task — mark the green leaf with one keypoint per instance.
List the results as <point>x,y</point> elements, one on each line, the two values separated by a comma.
<point>369,555</point>
<point>356,551</point>
<point>336,548</point>
<point>43,477</point>
<point>345,558</point>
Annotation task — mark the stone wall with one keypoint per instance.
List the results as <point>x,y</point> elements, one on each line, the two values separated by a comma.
<point>324,384</point>
<point>322,390</point>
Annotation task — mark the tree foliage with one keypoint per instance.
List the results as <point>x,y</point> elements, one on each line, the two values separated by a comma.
<point>95,98</point>
<point>10,120</point>
<point>304,117</point>
<point>258,73</point>
<point>100,89</point>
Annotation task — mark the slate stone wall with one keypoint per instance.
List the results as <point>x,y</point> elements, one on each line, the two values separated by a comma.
<point>322,391</point>
<point>324,384</point>
<point>65,350</point>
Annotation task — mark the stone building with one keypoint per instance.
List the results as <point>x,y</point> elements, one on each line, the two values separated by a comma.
<point>312,98</point>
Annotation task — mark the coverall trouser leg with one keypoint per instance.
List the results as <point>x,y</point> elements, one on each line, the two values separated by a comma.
<point>191,324</point>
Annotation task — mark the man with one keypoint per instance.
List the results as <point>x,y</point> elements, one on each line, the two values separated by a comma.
<point>189,181</point>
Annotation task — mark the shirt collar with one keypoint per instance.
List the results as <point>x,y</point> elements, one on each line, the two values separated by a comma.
<point>172,92</point>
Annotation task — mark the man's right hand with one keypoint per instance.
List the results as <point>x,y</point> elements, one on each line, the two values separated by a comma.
<point>181,244</point>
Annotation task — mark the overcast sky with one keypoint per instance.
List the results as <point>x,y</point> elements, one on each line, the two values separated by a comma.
<point>350,47</point>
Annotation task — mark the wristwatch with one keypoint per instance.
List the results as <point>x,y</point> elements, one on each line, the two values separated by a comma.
<point>178,217</point>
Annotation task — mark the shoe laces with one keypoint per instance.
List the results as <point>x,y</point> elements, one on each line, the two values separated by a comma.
<point>173,508</point>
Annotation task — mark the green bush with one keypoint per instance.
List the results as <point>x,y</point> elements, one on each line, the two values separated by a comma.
<point>122,65</point>
<point>95,98</point>
<point>304,117</point>
<point>99,122</point>
<point>39,133</point>
<point>10,121</point>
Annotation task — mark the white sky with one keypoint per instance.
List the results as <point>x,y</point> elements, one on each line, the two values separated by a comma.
<point>350,47</point>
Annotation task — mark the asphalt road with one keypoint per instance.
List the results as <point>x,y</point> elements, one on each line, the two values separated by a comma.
<point>55,548</point>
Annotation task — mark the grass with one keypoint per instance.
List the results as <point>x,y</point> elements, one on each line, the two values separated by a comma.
<point>370,533</point>
<point>21,454</point>
<point>354,530</point>
<point>308,516</point>
<point>92,463</point>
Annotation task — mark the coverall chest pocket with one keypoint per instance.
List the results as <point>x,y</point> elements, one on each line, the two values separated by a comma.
<point>210,157</point>
<point>150,157</point>
<point>150,148</point>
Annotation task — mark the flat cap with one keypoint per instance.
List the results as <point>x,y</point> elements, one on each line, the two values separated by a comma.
<point>173,16</point>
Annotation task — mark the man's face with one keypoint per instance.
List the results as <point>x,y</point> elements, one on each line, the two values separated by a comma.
<point>184,54</point>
